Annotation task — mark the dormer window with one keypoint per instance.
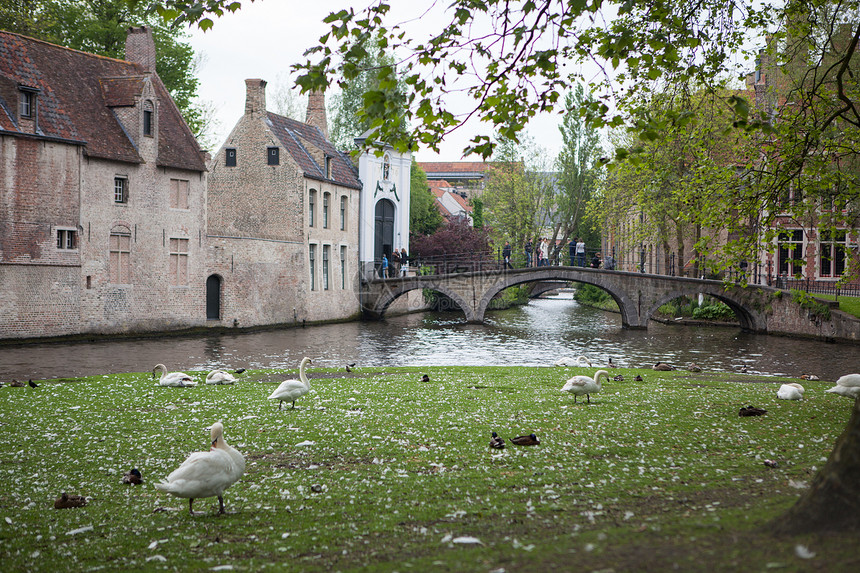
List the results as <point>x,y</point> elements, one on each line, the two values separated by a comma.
<point>274,156</point>
<point>148,118</point>
<point>27,102</point>
<point>230,157</point>
<point>327,167</point>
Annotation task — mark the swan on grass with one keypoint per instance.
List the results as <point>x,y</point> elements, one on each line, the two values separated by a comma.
<point>790,391</point>
<point>292,390</point>
<point>206,474</point>
<point>848,385</point>
<point>220,377</point>
<point>582,362</point>
<point>579,385</point>
<point>175,379</point>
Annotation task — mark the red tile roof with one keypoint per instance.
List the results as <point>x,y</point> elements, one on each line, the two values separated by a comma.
<point>77,92</point>
<point>292,133</point>
<point>454,166</point>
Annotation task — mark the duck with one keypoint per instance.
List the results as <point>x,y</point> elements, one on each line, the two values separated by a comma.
<point>530,440</point>
<point>618,378</point>
<point>610,364</point>
<point>173,379</point>
<point>579,385</point>
<point>663,367</point>
<point>693,367</point>
<point>293,389</point>
<point>848,386</point>
<point>752,411</point>
<point>66,501</point>
<point>425,378</point>
<point>132,477</point>
<point>16,384</point>
<point>810,377</point>
<point>581,361</point>
<point>497,442</point>
<point>220,377</point>
<point>638,378</point>
<point>206,474</point>
<point>791,391</point>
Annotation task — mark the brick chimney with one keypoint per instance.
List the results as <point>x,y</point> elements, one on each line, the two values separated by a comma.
<point>316,112</point>
<point>255,97</point>
<point>139,47</point>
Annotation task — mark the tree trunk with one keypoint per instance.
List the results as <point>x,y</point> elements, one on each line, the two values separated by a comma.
<point>833,500</point>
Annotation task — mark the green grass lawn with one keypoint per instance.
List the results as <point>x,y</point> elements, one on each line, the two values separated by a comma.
<point>377,471</point>
<point>849,304</point>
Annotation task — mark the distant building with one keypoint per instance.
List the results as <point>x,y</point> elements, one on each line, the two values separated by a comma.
<point>103,194</point>
<point>284,222</point>
<point>451,202</point>
<point>466,178</point>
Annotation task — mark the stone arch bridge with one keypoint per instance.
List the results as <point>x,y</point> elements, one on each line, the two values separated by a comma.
<point>758,308</point>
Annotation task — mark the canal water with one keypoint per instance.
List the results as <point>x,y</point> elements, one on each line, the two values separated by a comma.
<point>533,335</point>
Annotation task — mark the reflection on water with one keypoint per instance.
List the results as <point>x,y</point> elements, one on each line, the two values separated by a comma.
<point>534,335</point>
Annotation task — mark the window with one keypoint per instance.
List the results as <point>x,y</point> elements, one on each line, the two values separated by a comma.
<point>343,267</point>
<point>120,189</point>
<point>67,239</point>
<point>179,193</point>
<point>230,157</point>
<point>120,257</point>
<point>327,167</point>
<point>831,252</point>
<point>343,213</point>
<point>325,265</point>
<point>326,197</point>
<point>273,156</point>
<point>178,262</point>
<point>312,199</point>
<point>147,118</point>
<point>790,252</point>
<point>27,99</point>
<point>312,255</point>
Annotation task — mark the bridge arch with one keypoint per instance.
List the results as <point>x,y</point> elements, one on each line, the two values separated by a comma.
<point>629,316</point>
<point>748,318</point>
<point>392,294</point>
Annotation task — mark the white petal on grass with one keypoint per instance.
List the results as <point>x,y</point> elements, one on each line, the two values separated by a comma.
<point>222,568</point>
<point>803,552</point>
<point>80,530</point>
<point>161,558</point>
<point>466,540</point>
<point>306,443</point>
<point>9,520</point>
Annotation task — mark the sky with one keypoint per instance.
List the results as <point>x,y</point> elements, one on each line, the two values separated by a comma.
<point>266,37</point>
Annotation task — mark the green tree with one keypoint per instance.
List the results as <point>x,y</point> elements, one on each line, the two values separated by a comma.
<point>99,27</point>
<point>424,216</point>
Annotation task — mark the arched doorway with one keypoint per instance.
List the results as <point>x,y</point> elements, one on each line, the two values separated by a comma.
<point>383,231</point>
<point>213,297</point>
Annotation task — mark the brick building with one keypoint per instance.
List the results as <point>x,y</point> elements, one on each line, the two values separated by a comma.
<point>283,222</point>
<point>103,194</point>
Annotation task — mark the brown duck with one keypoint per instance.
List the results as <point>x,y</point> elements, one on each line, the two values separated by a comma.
<point>497,442</point>
<point>752,411</point>
<point>66,501</point>
<point>530,440</point>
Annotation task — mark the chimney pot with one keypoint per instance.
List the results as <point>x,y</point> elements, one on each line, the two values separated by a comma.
<point>140,48</point>
<point>255,97</point>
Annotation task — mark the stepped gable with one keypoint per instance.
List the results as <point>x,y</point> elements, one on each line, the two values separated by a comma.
<point>307,146</point>
<point>77,96</point>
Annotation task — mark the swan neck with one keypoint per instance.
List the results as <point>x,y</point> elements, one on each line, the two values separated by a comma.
<point>302,375</point>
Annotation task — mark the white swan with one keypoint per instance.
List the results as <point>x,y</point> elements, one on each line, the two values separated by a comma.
<point>582,361</point>
<point>206,474</point>
<point>848,385</point>
<point>579,385</point>
<point>176,379</point>
<point>791,391</point>
<point>293,389</point>
<point>220,377</point>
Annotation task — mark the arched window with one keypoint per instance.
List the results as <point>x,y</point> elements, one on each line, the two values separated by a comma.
<point>312,200</point>
<point>326,197</point>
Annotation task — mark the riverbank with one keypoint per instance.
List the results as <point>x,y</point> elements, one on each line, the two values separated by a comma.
<point>377,471</point>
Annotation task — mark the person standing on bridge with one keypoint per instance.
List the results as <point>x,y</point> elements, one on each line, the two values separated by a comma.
<point>395,264</point>
<point>571,249</point>
<point>404,262</point>
<point>544,252</point>
<point>506,254</point>
<point>528,251</point>
<point>580,252</point>
<point>384,266</point>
